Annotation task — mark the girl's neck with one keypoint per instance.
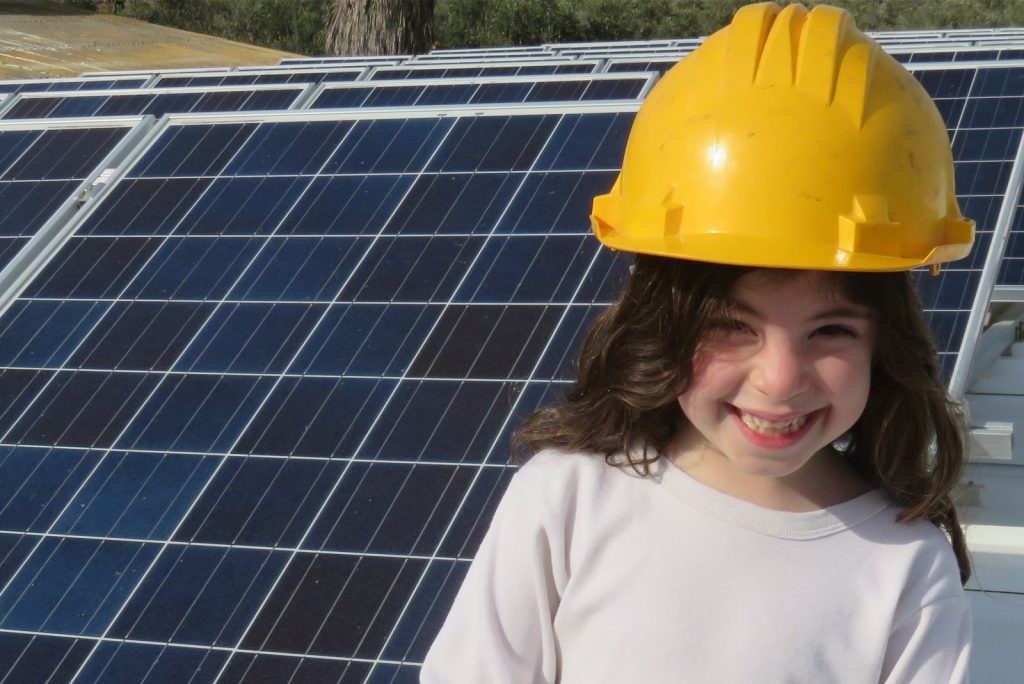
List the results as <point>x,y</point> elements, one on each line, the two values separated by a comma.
<point>826,480</point>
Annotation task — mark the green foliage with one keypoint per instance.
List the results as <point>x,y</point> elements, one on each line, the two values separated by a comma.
<point>473,23</point>
<point>291,25</point>
<point>299,25</point>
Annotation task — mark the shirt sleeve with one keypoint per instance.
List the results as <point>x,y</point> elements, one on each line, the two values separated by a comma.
<point>500,628</point>
<point>931,645</point>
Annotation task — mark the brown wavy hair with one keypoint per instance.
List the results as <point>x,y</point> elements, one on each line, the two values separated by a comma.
<point>637,357</point>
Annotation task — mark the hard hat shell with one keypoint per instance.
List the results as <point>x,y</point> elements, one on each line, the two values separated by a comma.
<point>789,139</point>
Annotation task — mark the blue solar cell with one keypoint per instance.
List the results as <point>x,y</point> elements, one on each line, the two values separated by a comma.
<point>138,496</point>
<point>499,143</point>
<point>486,341</point>
<point>412,268</point>
<point>315,417</point>
<point>289,148</point>
<point>192,268</point>
<point>528,269</point>
<point>73,586</point>
<point>335,605</point>
<point>13,144</point>
<point>196,413</point>
<point>145,206</point>
<point>387,146</point>
<point>437,420</point>
<point>490,93</point>
<point>195,150</point>
<point>42,334</point>
<point>140,335</point>
<point>92,268</point>
<point>18,388</point>
<point>25,206</point>
<point>982,178</point>
<point>342,97</point>
<point>35,485</point>
<point>241,206</point>
<point>391,508</point>
<point>199,594</point>
<point>299,269</point>
<point>260,502</point>
<point>127,662</point>
<point>104,403</point>
<point>345,205</point>
<point>998,82</point>
<point>943,83</point>
<point>994,112</point>
<point>596,141</point>
<point>36,659</point>
<point>250,338</point>
<point>64,153</point>
<point>366,340</point>
<point>981,144</point>
<point>454,203</point>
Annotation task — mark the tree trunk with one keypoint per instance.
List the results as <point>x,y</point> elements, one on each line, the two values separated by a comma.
<point>379,27</point>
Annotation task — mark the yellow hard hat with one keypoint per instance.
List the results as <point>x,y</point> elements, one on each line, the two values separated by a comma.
<point>789,139</point>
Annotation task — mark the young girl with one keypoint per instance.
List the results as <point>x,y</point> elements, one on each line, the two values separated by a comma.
<point>750,480</point>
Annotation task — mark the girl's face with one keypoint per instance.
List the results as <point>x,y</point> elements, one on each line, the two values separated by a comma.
<point>783,377</point>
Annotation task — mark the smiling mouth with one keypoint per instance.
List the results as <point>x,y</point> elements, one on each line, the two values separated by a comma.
<point>768,427</point>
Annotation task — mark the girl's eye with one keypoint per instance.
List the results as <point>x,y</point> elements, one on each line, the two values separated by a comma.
<point>836,331</point>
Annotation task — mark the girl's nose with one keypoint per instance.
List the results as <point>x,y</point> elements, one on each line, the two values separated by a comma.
<point>780,370</point>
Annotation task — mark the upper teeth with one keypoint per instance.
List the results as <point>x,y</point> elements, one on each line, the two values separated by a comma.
<point>770,427</point>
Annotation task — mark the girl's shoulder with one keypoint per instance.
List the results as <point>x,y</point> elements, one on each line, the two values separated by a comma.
<point>560,477</point>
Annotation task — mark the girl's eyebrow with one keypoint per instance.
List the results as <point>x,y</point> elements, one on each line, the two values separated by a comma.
<point>839,311</point>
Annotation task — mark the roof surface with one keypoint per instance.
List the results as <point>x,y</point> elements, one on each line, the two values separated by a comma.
<point>39,39</point>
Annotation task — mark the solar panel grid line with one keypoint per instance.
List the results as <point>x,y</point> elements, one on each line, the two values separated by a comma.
<point>979,310</point>
<point>356,450</point>
<point>250,547</point>
<point>54,232</point>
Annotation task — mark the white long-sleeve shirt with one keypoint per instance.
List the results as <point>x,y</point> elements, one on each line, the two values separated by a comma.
<point>591,574</point>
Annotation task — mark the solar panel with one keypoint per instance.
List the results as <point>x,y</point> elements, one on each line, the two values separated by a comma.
<point>260,77</point>
<point>507,90</point>
<point>624,64</point>
<point>914,55</point>
<point>503,68</point>
<point>41,84</point>
<point>147,101</point>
